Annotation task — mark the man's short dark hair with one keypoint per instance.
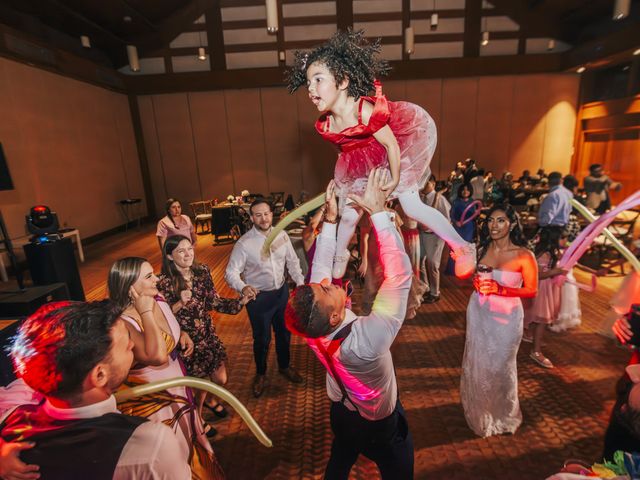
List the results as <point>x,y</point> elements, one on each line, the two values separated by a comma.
<point>303,317</point>
<point>594,167</point>
<point>570,182</point>
<point>258,201</point>
<point>56,347</point>
<point>555,178</point>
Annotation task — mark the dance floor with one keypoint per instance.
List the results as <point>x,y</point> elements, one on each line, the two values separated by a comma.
<point>565,409</point>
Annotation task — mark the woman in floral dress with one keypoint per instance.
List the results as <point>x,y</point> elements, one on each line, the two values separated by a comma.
<point>188,288</point>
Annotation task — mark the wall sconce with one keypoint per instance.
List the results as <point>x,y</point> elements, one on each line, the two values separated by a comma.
<point>134,61</point>
<point>409,40</point>
<point>281,56</point>
<point>581,69</point>
<point>551,45</point>
<point>621,9</point>
<point>272,15</point>
<point>485,38</point>
<point>85,41</point>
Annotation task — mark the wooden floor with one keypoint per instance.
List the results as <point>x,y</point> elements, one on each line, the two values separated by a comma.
<point>565,409</point>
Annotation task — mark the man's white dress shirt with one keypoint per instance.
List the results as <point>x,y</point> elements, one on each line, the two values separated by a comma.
<point>248,265</point>
<point>364,361</point>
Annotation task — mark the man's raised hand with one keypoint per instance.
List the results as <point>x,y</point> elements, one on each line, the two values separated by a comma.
<point>374,197</point>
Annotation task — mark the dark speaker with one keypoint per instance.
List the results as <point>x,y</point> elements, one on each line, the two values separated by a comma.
<point>54,262</point>
<point>23,304</point>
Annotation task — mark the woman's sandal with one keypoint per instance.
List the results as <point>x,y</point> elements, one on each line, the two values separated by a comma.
<point>218,410</point>
<point>541,360</point>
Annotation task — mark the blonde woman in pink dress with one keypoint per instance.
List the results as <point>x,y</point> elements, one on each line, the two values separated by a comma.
<point>157,337</point>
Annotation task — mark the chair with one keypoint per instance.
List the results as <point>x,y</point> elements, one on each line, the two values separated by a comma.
<point>277,201</point>
<point>602,257</point>
<point>221,223</point>
<point>201,215</point>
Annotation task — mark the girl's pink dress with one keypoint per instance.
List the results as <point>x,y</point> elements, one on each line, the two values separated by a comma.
<point>360,152</point>
<point>544,307</point>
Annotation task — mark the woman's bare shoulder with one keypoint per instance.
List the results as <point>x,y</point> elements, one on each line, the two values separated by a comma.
<point>525,254</point>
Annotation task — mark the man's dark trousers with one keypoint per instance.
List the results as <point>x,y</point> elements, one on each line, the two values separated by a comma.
<point>265,312</point>
<point>387,442</point>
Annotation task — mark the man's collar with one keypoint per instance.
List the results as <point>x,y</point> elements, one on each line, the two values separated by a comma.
<point>349,317</point>
<point>88,411</point>
<point>260,232</point>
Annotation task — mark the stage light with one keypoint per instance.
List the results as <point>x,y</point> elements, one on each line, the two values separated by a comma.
<point>621,9</point>
<point>134,61</point>
<point>201,54</point>
<point>272,15</point>
<point>409,40</point>
<point>485,38</point>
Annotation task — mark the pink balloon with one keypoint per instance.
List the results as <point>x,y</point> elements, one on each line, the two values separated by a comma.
<point>478,207</point>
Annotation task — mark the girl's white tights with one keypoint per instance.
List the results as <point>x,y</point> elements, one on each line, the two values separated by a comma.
<point>413,207</point>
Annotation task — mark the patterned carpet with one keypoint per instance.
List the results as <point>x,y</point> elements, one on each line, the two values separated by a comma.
<point>565,409</point>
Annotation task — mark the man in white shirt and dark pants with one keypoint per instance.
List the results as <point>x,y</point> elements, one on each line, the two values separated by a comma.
<point>262,278</point>
<point>366,414</point>
<point>431,245</point>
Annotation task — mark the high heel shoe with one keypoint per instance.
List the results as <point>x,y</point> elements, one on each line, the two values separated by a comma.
<point>218,410</point>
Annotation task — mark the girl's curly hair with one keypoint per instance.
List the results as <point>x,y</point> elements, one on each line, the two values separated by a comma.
<point>347,55</point>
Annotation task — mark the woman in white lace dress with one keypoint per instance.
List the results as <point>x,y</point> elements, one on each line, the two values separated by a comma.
<point>489,383</point>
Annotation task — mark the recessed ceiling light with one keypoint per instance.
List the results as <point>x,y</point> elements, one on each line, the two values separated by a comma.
<point>581,69</point>
<point>127,19</point>
<point>636,51</point>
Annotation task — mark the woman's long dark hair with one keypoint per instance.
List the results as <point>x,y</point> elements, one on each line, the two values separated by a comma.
<point>515,235</point>
<point>549,241</point>
<point>178,283</point>
<point>167,209</point>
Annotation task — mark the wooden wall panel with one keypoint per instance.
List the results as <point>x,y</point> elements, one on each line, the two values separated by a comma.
<point>493,125</point>
<point>264,139</point>
<point>246,137</point>
<point>318,156</point>
<point>428,94</point>
<point>208,116</point>
<point>528,120</point>
<point>560,122</point>
<point>154,154</point>
<point>458,123</point>
<point>62,141</point>
<point>282,141</point>
<point>176,143</point>
<point>624,164</point>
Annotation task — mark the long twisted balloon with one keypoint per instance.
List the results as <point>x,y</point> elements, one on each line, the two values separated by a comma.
<point>284,223</point>
<point>588,235</point>
<point>200,384</point>
<point>617,244</point>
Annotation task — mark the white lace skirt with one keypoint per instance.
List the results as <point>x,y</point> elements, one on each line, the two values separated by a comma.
<point>489,382</point>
